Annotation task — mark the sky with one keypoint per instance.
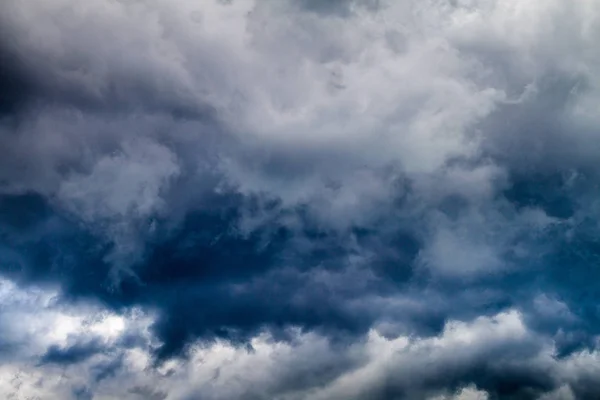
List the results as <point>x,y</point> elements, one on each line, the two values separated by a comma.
<point>299,199</point>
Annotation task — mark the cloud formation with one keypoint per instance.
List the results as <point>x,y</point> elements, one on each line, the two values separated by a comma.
<point>299,199</point>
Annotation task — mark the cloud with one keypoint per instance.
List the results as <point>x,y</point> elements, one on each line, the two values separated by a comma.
<point>483,358</point>
<point>77,353</point>
<point>311,180</point>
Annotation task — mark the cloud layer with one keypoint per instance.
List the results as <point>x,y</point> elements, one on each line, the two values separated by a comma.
<point>299,199</point>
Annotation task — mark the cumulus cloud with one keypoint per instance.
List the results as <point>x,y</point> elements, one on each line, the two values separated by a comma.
<point>73,354</point>
<point>367,199</point>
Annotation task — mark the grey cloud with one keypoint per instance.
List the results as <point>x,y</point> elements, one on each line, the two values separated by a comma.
<point>72,355</point>
<point>498,355</point>
<point>247,167</point>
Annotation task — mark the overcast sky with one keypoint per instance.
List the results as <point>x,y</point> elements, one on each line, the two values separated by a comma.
<point>299,199</point>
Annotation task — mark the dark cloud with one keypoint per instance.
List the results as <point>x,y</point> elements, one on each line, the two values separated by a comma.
<point>16,88</point>
<point>320,169</point>
<point>71,355</point>
<point>82,393</point>
<point>148,393</point>
<point>205,278</point>
<point>107,370</point>
<point>338,7</point>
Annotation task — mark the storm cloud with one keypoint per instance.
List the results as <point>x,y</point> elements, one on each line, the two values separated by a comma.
<point>288,199</point>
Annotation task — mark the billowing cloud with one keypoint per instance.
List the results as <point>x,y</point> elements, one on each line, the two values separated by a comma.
<point>73,354</point>
<point>299,199</point>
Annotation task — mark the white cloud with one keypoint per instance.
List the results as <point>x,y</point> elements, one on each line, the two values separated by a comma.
<point>274,369</point>
<point>414,116</point>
